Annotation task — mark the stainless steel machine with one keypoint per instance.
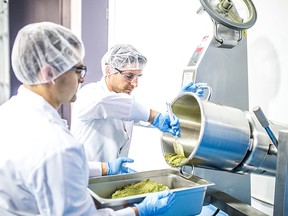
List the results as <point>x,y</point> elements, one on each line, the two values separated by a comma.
<point>221,139</point>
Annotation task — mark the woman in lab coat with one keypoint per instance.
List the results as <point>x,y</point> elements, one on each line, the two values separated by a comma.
<point>43,168</point>
<point>105,112</point>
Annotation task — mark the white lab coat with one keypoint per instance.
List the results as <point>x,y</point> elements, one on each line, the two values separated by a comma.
<point>43,169</point>
<point>103,121</point>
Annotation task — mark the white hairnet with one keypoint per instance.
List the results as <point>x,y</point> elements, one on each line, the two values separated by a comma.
<point>45,45</point>
<point>123,56</point>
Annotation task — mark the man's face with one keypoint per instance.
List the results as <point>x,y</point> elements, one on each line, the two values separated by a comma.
<point>68,84</point>
<point>123,80</point>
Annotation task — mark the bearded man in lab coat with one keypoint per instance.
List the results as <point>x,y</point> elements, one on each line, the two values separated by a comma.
<point>43,168</point>
<point>105,112</point>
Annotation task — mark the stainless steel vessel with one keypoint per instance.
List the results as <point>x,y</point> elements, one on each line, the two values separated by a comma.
<point>221,137</point>
<point>190,192</point>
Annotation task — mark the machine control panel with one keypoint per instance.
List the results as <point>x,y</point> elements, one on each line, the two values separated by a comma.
<point>189,73</point>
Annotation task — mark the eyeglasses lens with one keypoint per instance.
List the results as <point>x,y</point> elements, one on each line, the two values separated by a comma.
<point>128,76</point>
<point>82,70</point>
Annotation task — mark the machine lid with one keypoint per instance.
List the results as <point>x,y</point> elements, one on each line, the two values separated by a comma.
<point>234,14</point>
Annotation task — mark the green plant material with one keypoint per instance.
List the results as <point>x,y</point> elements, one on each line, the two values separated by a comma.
<point>145,186</point>
<point>174,160</point>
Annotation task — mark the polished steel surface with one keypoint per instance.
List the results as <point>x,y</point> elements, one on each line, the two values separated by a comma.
<point>222,138</point>
<point>188,191</point>
<point>226,71</point>
<point>212,135</point>
<point>230,205</point>
<point>259,159</point>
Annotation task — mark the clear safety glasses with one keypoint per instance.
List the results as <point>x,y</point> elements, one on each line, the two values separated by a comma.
<point>81,70</point>
<point>128,76</point>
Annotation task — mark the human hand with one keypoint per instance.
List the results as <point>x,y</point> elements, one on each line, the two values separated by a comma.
<point>195,88</point>
<point>118,166</point>
<point>156,203</point>
<point>164,124</point>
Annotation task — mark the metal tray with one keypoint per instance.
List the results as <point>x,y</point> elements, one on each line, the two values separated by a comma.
<point>190,191</point>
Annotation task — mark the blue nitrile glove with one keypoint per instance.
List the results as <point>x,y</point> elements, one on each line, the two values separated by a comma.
<point>118,166</point>
<point>163,123</point>
<point>191,87</point>
<point>156,203</point>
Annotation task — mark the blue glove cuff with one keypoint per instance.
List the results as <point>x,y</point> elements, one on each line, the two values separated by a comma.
<point>139,209</point>
<point>156,120</point>
<point>109,171</point>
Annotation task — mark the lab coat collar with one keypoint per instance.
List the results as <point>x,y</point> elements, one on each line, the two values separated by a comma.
<point>36,101</point>
<point>103,84</point>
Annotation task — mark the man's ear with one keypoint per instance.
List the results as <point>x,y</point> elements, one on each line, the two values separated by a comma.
<point>108,70</point>
<point>47,74</point>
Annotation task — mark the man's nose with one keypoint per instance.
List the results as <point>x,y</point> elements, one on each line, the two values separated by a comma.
<point>134,82</point>
<point>81,79</point>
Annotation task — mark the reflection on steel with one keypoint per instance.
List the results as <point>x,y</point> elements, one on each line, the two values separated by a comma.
<point>232,206</point>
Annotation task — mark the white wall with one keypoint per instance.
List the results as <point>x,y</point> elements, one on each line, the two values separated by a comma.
<point>167,32</point>
<point>268,66</point>
<point>76,17</point>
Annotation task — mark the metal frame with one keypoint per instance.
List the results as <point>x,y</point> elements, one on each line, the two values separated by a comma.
<point>233,206</point>
<point>229,204</point>
<point>281,190</point>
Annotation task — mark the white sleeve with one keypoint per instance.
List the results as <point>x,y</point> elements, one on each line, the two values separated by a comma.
<point>109,212</point>
<point>66,193</point>
<point>140,112</point>
<point>95,169</point>
<point>125,212</point>
<point>62,190</point>
<point>94,103</point>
